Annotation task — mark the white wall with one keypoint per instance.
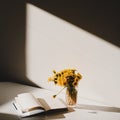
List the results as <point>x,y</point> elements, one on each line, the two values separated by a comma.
<point>55,44</point>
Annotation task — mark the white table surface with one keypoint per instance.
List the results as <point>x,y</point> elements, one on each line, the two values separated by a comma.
<point>86,110</point>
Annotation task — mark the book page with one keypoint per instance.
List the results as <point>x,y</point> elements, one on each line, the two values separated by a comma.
<point>50,103</point>
<point>28,102</point>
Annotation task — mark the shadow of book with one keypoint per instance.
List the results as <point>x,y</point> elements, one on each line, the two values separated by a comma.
<point>49,115</point>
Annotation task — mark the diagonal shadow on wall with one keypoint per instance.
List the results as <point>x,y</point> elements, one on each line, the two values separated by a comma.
<point>100,18</point>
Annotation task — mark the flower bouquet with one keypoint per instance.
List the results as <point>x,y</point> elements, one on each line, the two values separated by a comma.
<point>69,79</point>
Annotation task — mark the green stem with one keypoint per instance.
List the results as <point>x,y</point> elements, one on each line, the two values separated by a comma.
<point>59,92</point>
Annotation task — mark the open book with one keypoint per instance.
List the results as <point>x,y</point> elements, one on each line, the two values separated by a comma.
<point>27,104</point>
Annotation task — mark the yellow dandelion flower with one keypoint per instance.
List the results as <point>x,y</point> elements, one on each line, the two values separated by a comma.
<point>79,75</point>
<point>66,78</point>
<point>64,83</point>
<point>59,81</point>
<point>76,79</point>
<point>75,83</point>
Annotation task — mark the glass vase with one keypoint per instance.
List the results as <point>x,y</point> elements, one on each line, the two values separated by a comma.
<point>71,96</point>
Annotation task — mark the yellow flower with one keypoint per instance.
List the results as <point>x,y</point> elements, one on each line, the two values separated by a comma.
<point>65,78</point>
<point>79,75</point>
<point>75,83</point>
